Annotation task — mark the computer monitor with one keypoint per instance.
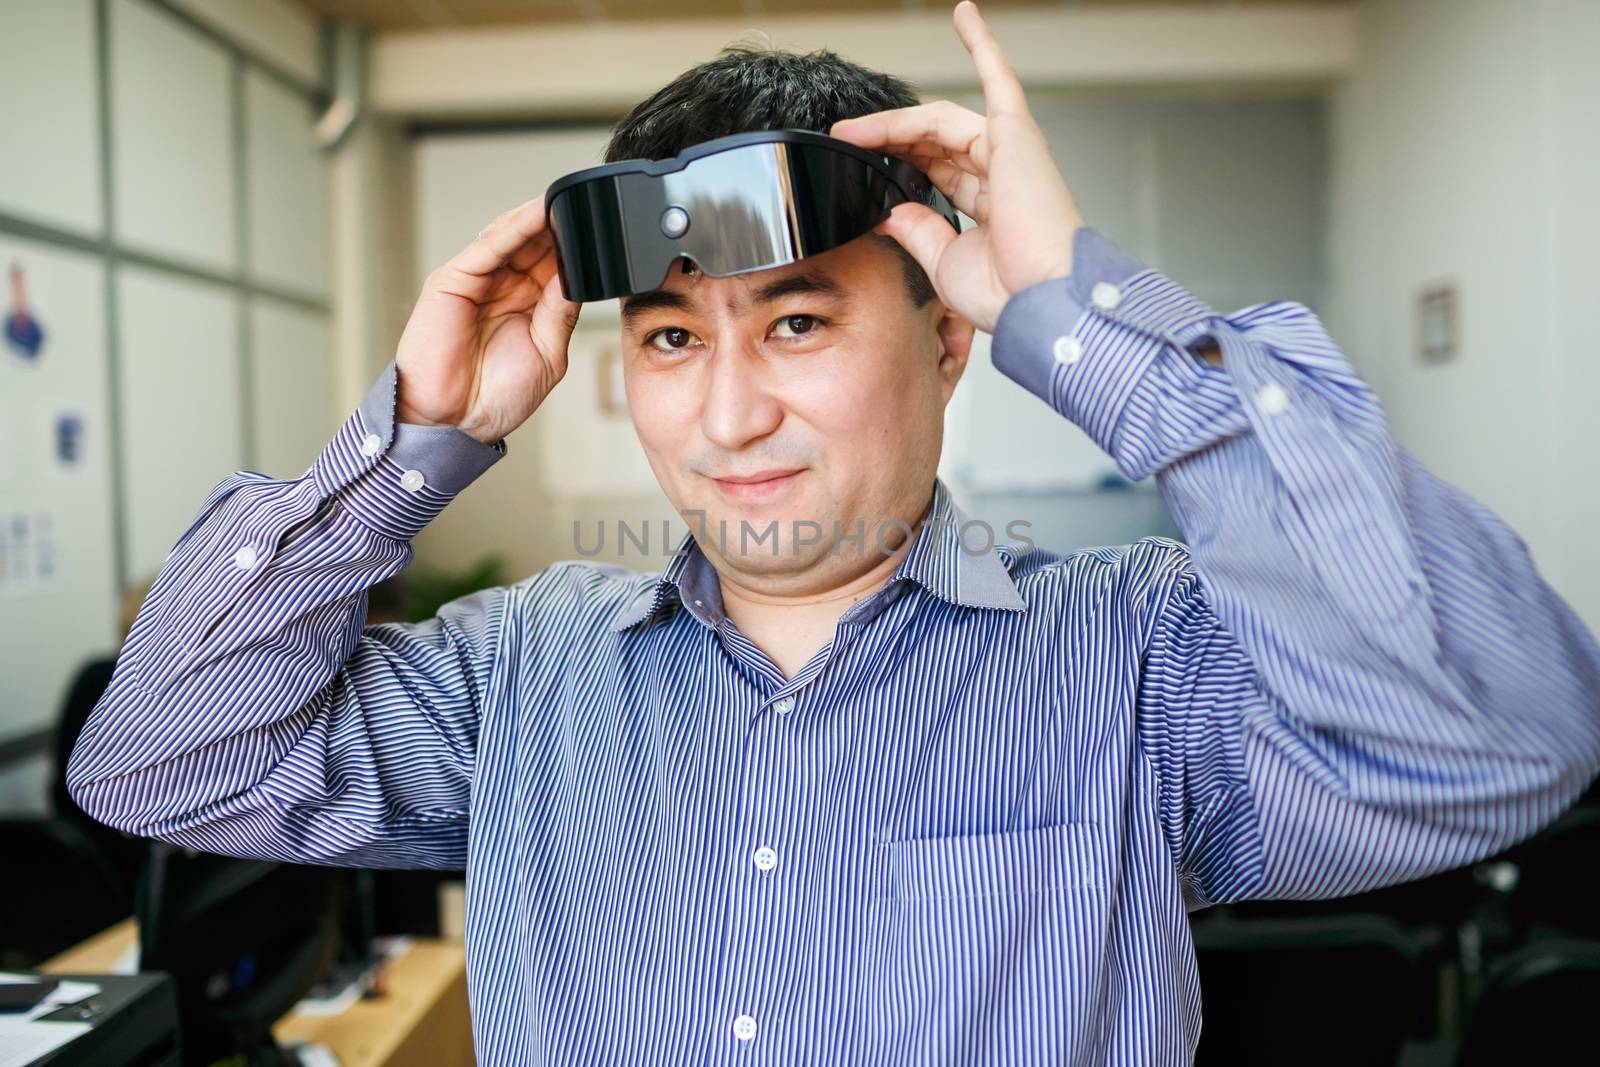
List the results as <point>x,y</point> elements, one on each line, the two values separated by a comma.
<point>242,939</point>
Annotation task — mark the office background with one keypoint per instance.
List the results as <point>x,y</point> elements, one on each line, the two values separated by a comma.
<point>215,216</point>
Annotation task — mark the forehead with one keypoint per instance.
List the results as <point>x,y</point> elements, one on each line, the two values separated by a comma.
<point>854,268</point>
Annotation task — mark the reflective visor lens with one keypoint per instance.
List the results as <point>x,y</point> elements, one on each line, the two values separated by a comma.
<point>742,209</point>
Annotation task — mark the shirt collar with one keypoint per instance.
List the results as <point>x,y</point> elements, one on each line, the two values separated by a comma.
<point>971,571</point>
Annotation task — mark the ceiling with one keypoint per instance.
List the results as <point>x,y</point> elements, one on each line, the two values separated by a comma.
<point>443,14</point>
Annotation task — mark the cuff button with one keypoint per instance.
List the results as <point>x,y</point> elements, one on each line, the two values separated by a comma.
<point>1105,296</point>
<point>1068,349</point>
<point>370,444</point>
<point>411,481</point>
<point>245,558</point>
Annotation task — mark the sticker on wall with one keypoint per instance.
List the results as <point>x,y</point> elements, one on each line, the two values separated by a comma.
<point>25,334</point>
<point>69,445</point>
<point>29,560</point>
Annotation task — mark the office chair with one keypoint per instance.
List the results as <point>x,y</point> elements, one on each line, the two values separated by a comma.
<point>1556,874</point>
<point>1537,1006</point>
<point>1321,990</point>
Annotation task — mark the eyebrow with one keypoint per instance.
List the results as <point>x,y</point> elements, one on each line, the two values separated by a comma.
<point>655,300</point>
<point>806,283</point>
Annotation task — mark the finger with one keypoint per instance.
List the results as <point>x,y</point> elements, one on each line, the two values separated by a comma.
<point>552,322</point>
<point>974,161</point>
<point>941,124</point>
<point>962,188</point>
<point>539,248</point>
<point>521,291</point>
<point>923,233</point>
<point>922,160</point>
<point>501,239</point>
<point>1002,92</point>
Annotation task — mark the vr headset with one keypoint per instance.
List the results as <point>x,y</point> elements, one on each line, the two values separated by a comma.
<point>741,203</point>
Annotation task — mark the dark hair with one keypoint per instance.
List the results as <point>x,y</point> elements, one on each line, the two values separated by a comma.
<point>752,88</point>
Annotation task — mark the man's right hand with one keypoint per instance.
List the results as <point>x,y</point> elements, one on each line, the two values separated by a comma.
<point>487,340</point>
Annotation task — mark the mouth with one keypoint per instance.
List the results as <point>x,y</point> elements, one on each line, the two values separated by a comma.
<point>758,487</point>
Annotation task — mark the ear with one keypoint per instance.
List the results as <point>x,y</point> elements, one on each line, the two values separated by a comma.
<point>955,339</point>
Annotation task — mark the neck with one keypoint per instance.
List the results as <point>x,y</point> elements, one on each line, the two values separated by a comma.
<point>862,585</point>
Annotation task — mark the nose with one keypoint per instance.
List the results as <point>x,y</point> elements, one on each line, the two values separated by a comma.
<point>739,408</point>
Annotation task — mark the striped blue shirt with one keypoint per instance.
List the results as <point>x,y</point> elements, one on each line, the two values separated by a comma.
<point>970,829</point>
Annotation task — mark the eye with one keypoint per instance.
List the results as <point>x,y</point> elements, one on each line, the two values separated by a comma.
<point>791,326</point>
<point>670,339</point>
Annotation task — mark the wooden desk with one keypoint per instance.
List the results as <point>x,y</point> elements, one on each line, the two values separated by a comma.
<point>420,1022</point>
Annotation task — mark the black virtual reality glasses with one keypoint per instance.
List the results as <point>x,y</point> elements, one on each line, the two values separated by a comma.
<point>741,203</point>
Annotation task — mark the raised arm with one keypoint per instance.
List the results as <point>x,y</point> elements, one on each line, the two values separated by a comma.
<point>1354,674</point>
<point>251,712</point>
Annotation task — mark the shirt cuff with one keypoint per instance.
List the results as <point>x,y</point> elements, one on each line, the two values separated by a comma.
<point>395,477</point>
<point>1090,343</point>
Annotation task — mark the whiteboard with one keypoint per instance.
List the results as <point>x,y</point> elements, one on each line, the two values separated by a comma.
<point>58,596</point>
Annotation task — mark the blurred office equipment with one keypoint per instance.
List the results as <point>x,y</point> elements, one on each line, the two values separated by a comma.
<point>1334,990</point>
<point>59,888</point>
<point>124,1021</point>
<point>1536,1006</point>
<point>1494,963</point>
<point>418,1019</point>
<point>1552,878</point>
<point>244,941</point>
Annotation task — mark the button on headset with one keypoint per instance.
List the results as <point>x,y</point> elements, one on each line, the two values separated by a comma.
<point>674,221</point>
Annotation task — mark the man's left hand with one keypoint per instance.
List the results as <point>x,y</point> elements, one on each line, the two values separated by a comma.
<point>996,168</point>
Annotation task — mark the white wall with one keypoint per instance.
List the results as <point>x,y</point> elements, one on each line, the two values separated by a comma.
<point>47,53</point>
<point>171,127</point>
<point>1464,148</point>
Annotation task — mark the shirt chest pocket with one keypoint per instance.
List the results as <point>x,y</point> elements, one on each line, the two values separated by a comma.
<point>970,931</point>
<point>1009,863</point>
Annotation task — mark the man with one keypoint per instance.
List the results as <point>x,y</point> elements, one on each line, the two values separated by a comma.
<point>902,804</point>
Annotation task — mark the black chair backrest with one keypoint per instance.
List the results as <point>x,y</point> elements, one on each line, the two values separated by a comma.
<point>1537,1006</point>
<point>1320,990</point>
<point>1557,871</point>
<point>58,889</point>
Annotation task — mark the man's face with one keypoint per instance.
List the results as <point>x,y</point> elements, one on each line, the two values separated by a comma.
<point>812,393</point>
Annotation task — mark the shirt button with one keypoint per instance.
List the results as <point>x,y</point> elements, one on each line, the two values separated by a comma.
<point>765,858</point>
<point>744,1028</point>
<point>785,705</point>
<point>411,481</point>
<point>245,558</point>
<point>1069,349</point>
<point>370,444</point>
<point>1272,398</point>
<point>1105,296</point>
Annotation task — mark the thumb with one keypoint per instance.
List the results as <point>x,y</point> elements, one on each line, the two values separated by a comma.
<point>922,232</point>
